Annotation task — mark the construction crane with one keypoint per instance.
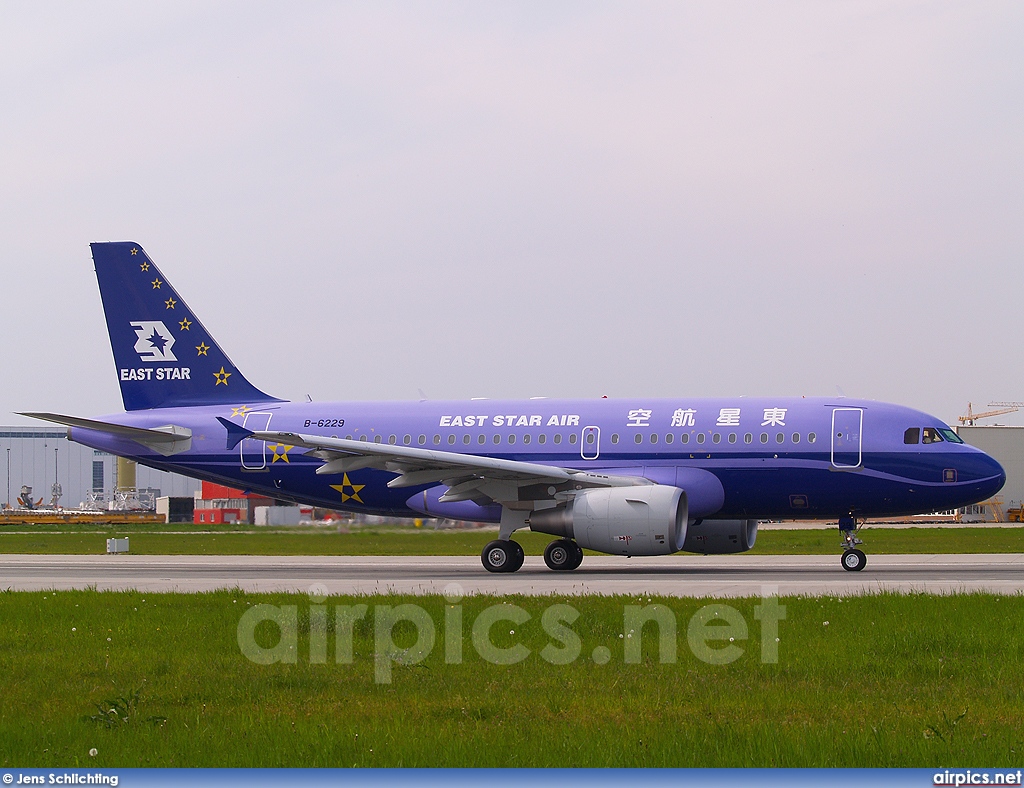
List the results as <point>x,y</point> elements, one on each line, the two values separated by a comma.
<point>970,417</point>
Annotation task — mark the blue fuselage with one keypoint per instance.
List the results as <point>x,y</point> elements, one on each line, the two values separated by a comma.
<point>773,457</point>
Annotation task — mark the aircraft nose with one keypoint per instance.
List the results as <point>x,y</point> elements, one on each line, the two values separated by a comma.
<point>998,476</point>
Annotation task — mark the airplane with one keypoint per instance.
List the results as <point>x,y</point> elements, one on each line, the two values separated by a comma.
<point>630,477</point>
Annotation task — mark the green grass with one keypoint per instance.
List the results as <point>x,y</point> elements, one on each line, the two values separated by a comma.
<point>233,540</point>
<point>889,681</point>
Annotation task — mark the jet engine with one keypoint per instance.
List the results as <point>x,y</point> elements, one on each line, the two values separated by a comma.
<point>643,520</point>
<point>718,537</point>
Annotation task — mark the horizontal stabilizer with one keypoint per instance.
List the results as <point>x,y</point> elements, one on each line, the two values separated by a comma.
<point>166,440</point>
<point>236,433</point>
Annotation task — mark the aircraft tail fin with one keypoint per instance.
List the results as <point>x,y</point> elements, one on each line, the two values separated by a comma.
<point>164,356</point>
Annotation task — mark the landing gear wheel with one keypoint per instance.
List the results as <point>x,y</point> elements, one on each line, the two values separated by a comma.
<point>518,556</point>
<point>854,560</point>
<point>561,555</point>
<point>502,556</point>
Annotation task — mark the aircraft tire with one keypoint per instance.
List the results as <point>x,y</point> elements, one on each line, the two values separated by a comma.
<point>500,556</point>
<point>578,558</point>
<point>518,556</point>
<point>854,560</point>
<point>560,555</point>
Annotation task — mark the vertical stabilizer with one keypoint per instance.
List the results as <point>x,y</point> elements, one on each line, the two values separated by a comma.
<point>164,356</point>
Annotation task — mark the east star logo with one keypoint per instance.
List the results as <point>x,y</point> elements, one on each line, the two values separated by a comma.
<point>154,342</point>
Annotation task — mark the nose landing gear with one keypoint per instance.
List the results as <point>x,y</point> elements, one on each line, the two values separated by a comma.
<point>853,560</point>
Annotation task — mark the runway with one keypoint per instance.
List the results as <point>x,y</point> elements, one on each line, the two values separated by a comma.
<point>691,576</point>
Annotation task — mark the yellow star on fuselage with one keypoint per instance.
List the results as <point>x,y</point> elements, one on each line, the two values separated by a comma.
<point>202,348</point>
<point>240,411</point>
<point>280,452</point>
<point>185,324</point>
<point>222,377</point>
<point>354,489</point>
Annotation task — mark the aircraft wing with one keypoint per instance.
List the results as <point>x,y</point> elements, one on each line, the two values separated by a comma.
<point>467,476</point>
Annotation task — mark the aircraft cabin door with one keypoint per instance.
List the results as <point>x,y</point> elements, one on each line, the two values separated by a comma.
<point>590,446</point>
<point>254,452</point>
<point>847,426</point>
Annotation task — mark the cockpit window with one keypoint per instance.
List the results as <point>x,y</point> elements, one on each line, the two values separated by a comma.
<point>912,435</point>
<point>931,435</point>
<point>949,435</point>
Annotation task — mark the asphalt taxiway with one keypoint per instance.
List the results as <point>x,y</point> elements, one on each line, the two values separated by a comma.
<point>700,576</point>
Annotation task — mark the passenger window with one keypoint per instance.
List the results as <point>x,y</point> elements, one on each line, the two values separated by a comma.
<point>779,437</point>
<point>764,437</point>
<point>654,437</point>
<point>638,438</point>
<point>684,438</point>
<point>526,438</point>
<point>590,437</point>
<point>748,438</point>
<point>796,437</point>
<point>481,439</point>
<point>451,439</point>
<point>423,440</point>
<point>912,435</point>
<point>376,438</point>
<point>542,438</point>
<point>732,437</point>
<point>348,437</point>
<point>466,439</point>
<point>407,440</point>
<point>615,437</point>
<point>572,438</point>
<point>811,437</point>
<point>669,437</point>
<point>930,435</point>
<point>511,438</point>
<point>497,439</point>
<point>557,439</point>
<point>437,440</point>
<point>716,438</point>
<point>700,437</point>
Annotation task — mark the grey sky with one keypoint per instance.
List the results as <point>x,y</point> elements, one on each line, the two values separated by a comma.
<point>506,200</point>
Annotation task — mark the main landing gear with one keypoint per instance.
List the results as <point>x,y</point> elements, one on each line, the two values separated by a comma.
<point>853,560</point>
<point>503,555</point>
<point>563,555</point>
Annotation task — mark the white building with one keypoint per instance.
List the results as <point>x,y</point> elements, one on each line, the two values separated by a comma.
<point>38,457</point>
<point>1006,446</point>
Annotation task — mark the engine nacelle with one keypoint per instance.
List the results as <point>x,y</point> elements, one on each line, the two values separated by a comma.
<point>646,520</point>
<point>719,537</point>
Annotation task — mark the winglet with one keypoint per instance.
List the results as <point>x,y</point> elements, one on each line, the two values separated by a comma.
<point>236,433</point>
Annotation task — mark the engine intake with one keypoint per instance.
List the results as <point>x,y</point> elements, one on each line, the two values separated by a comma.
<point>647,520</point>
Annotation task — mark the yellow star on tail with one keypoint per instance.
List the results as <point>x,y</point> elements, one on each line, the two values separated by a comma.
<point>202,349</point>
<point>156,283</point>
<point>144,266</point>
<point>170,303</point>
<point>135,251</point>
<point>222,377</point>
<point>185,324</point>
<point>347,485</point>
